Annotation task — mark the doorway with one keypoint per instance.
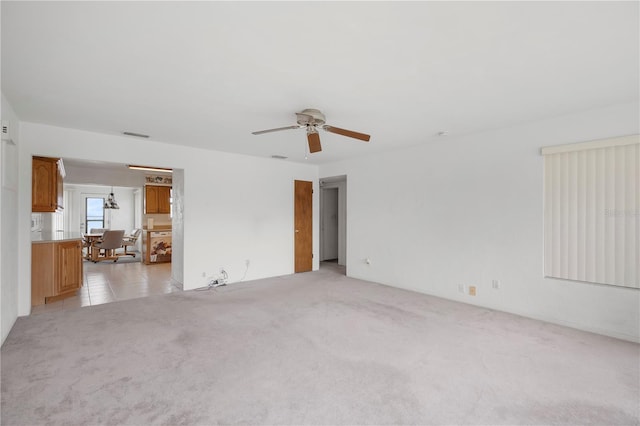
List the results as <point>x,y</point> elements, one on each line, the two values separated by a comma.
<point>86,185</point>
<point>333,219</point>
<point>330,224</point>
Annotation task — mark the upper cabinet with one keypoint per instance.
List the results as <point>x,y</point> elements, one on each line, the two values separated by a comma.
<point>46,185</point>
<point>157,199</point>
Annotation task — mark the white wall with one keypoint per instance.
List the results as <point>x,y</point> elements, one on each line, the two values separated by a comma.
<point>234,207</point>
<point>9,222</point>
<point>468,210</point>
<point>99,176</point>
<point>177,232</point>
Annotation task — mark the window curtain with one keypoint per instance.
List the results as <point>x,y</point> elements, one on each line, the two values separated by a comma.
<point>592,211</point>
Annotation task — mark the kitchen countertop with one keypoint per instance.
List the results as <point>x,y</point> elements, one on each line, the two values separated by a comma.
<point>158,228</point>
<point>54,236</point>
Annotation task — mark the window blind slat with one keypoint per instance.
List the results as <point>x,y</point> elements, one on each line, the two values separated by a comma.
<point>548,217</point>
<point>581,212</point>
<point>572,216</point>
<point>556,263</point>
<point>610,228</point>
<point>599,192</point>
<point>591,215</point>
<point>564,219</point>
<point>618,218</point>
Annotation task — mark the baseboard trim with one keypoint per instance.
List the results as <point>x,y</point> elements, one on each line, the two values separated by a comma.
<point>604,332</point>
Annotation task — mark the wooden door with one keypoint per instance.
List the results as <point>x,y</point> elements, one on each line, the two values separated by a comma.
<point>68,266</point>
<point>303,223</point>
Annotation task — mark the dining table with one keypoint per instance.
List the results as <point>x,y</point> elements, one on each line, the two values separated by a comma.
<point>90,240</point>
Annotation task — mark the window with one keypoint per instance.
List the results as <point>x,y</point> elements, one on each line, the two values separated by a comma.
<point>592,211</point>
<point>94,213</point>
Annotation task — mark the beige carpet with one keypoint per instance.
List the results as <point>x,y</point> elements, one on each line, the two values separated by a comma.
<point>314,348</point>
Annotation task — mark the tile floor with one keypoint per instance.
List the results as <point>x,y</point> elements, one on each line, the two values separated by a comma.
<point>106,282</point>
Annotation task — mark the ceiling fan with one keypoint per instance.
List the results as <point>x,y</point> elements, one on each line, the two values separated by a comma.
<point>312,120</point>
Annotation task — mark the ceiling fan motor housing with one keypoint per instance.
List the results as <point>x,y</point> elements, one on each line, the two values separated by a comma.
<point>310,117</point>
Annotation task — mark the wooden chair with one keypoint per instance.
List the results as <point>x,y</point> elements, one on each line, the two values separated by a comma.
<point>130,241</point>
<point>111,240</point>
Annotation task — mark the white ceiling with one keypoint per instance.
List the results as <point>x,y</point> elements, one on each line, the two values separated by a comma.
<point>207,74</point>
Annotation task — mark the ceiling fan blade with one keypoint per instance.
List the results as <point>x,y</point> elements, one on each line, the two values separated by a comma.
<point>259,132</point>
<point>348,133</point>
<point>314,142</point>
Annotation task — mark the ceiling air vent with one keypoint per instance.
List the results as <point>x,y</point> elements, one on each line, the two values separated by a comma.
<point>137,135</point>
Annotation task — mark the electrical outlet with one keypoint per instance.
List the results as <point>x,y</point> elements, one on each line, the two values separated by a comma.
<point>472,290</point>
<point>222,278</point>
<point>204,274</point>
<point>461,288</point>
<point>495,284</point>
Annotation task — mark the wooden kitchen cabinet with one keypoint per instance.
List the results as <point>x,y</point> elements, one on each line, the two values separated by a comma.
<point>56,270</point>
<point>164,199</point>
<point>46,185</point>
<point>68,266</point>
<point>157,199</point>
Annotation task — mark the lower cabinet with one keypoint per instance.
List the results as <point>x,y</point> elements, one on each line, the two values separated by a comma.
<point>56,270</point>
<point>156,246</point>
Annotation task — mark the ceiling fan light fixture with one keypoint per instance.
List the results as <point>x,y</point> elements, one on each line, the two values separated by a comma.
<point>310,116</point>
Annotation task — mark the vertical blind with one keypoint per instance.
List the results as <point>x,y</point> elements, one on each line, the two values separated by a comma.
<point>592,211</point>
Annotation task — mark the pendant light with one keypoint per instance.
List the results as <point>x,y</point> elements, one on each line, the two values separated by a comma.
<point>111,203</point>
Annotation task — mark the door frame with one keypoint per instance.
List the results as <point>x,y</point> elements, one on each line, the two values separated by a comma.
<point>339,182</point>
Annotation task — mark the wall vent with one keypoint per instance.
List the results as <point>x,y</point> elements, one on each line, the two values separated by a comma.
<point>137,135</point>
<point>5,131</point>
<point>279,157</point>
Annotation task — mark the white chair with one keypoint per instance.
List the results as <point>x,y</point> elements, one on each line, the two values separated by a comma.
<point>130,241</point>
<point>111,240</point>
